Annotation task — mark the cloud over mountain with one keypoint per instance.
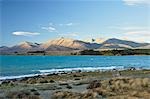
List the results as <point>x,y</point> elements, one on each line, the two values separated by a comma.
<point>22,33</point>
<point>136,2</point>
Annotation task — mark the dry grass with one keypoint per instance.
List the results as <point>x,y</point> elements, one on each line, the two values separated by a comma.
<point>129,87</point>
<point>73,95</point>
<point>23,95</point>
<point>116,88</point>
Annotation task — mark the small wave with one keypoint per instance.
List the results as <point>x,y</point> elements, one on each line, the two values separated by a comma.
<point>15,77</point>
<point>77,69</point>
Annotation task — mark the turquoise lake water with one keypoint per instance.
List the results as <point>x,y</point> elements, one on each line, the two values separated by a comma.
<point>21,66</point>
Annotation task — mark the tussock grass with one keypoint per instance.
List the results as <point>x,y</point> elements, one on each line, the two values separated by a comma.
<point>22,95</point>
<point>116,88</point>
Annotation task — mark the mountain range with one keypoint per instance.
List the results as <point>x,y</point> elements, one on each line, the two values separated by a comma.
<point>66,44</point>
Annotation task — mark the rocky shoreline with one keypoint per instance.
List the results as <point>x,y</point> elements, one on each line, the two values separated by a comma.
<point>80,85</point>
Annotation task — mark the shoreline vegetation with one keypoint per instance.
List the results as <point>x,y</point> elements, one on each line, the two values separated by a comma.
<point>112,84</point>
<point>113,52</point>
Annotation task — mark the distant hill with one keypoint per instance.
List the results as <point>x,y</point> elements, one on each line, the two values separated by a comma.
<point>69,43</point>
<point>97,40</point>
<point>58,48</point>
<point>144,47</point>
<point>4,48</point>
<point>114,43</point>
<point>21,47</point>
<point>66,44</point>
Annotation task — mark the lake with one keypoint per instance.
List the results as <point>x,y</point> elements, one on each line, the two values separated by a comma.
<point>22,66</point>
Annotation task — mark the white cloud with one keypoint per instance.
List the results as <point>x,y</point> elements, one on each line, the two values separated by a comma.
<point>22,33</point>
<point>135,33</point>
<point>69,34</point>
<point>51,24</point>
<point>142,33</point>
<point>50,29</point>
<point>68,24</point>
<point>127,28</point>
<point>137,38</point>
<point>136,2</point>
<point>132,29</point>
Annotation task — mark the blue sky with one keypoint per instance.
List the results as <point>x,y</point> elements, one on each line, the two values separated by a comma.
<point>41,20</point>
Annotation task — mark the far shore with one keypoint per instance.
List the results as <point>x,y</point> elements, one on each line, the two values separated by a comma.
<point>106,52</point>
<point>111,84</point>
